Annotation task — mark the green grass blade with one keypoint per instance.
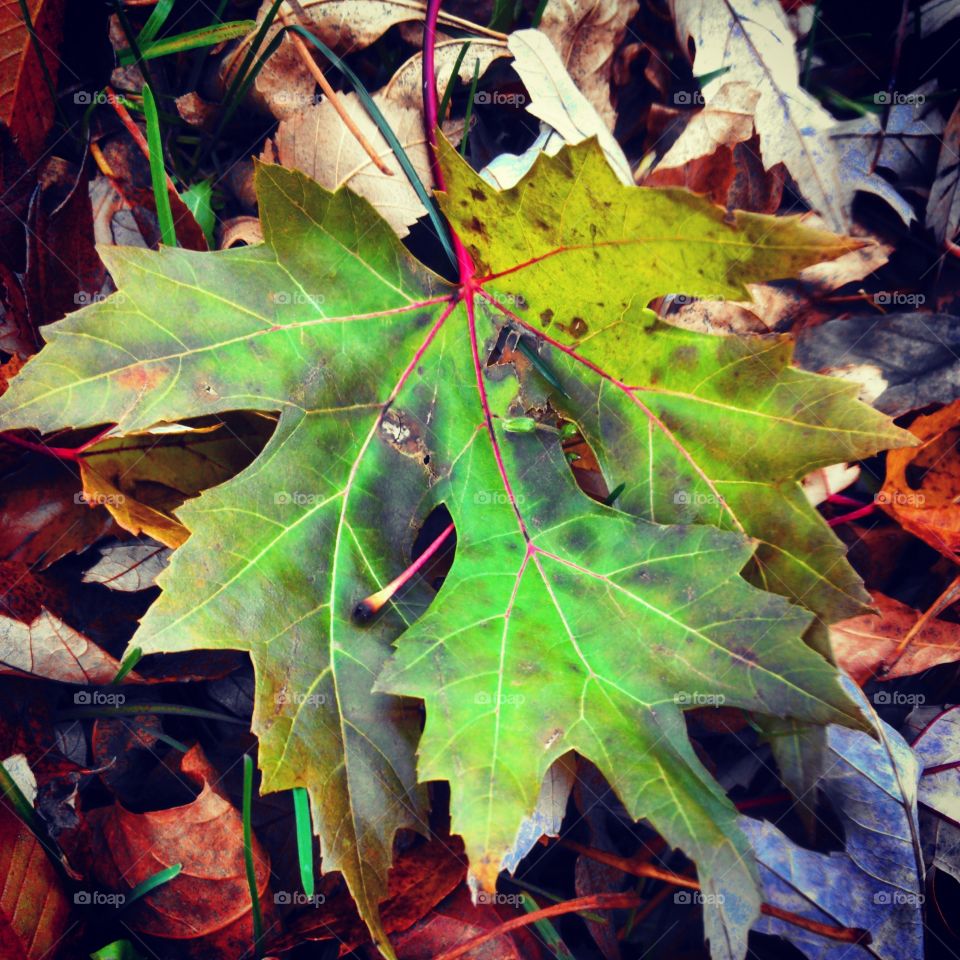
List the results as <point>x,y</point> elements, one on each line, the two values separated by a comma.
<point>152,882</point>
<point>538,14</point>
<point>118,950</point>
<point>158,175</point>
<point>439,225</point>
<point>161,709</point>
<point>11,792</point>
<point>452,82</point>
<point>548,933</point>
<point>470,101</point>
<point>301,810</point>
<point>248,855</point>
<point>128,663</point>
<point>189,40</point>
<point>155,21</point>
<point>199,201</point>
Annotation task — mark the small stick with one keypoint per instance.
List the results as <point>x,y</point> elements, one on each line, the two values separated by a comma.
<point>372,605</point>
<point>331,94</point>
<point>841,934</point>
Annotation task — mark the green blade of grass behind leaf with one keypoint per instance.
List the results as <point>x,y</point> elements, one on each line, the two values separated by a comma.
<point>11,792</point>
<point>452,82</point>
<point>199,201</point>
<point>128,663</point>
<point>152,882</point>
<point>301,810</point>
<point>470,101</point>
<point>158,175</point>
<point>248,855</point>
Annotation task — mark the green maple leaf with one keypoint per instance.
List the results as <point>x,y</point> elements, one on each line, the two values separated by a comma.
<point>563,625</point>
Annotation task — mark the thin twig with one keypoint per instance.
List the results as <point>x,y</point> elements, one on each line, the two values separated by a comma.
<point>640,869</point>
<point>328,91</point>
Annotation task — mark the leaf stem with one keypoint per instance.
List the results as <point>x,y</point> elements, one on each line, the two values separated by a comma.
<point>368,608</point>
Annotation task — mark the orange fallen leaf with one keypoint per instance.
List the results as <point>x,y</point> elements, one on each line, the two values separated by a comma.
<point>33,907</point>
<point>922,486</point>
<point>863,644</point>
<point>209,901</point>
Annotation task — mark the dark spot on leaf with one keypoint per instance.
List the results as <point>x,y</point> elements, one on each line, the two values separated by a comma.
<point>477,226</point>
<point>478,194</point>
<point>546,318</point>
<point>578,326</point>
<point>685,357</point>
<point>363,612</point>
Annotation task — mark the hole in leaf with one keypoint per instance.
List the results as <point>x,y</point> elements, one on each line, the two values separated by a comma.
<point>438,566</point>
<point>412,589</point>
<point>583,462</point>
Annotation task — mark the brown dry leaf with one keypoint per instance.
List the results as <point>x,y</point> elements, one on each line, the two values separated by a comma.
<point>863,644</point>
<point>419,879</point>
<point>753,41</point>
<point>26,106</point>
<point>317,142</point>
<point>718,154</point>
<point>922,486</point>
<point>34,910</point>
<point>208,902</point>
<point>284,85</point>
<point>350,25</point>
<point>36,642</point>
<point>587,34</point>
<point>406,86</point>
<point>240,232</point>
<point>142,477</point>
<point>42,515</point>
<point>130,513</point>
<point>458,920</point>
